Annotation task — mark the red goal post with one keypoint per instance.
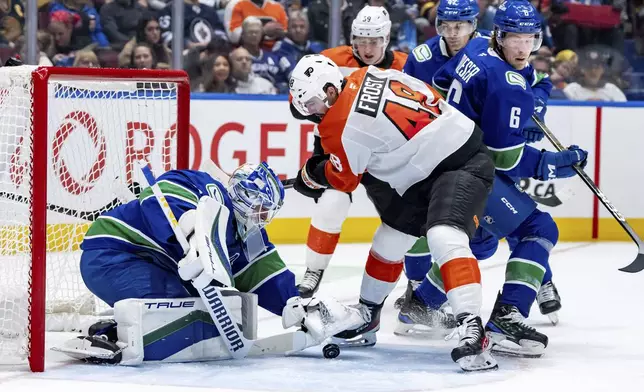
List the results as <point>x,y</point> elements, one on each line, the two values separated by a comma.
<point>54,119</point>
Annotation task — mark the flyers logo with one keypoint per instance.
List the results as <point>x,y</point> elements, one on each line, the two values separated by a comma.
<point>335,161</point>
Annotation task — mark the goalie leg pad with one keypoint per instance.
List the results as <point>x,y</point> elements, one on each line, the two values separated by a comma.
<point>168,330</point>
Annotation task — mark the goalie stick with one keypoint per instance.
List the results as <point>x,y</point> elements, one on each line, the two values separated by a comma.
<point>239,347</point>
<point>636,265</point>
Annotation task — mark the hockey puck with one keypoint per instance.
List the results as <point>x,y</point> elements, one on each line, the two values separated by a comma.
<point>331,351</point>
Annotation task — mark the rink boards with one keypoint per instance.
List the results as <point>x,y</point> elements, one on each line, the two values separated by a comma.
<point>253,128</point>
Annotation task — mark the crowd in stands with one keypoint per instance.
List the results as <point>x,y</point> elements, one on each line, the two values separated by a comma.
<point>593,49</point>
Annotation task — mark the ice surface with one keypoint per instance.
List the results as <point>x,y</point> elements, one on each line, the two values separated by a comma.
<point>597,345</point>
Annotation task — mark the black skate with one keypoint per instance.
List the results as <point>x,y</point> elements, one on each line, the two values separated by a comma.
<point>419,320</point>
<point>509,333</point>
<point>549,301</point>
<point>99,347</point>
<point>399,302</point>
<point>310,283</point>
<point>364,335</point>
<point>472,353</point>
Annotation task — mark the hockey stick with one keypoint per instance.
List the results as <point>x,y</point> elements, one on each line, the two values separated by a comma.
<point>288,183</point>
<point>636,265</point>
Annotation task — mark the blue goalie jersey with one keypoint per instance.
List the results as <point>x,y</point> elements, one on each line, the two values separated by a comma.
<point>499,99</point>
<point>140,229</point>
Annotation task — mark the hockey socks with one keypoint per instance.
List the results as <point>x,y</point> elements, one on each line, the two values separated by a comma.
<point>523,275</point>
<point>418,260</point>
<point>431,289</point>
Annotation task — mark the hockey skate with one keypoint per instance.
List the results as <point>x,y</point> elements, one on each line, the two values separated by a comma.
<point>100,346</point>
<point>549,301</point>
<point>419,320</point>
<point>473,350</point>
<point>399,302</point>
<point>310,283</point>
<point>365,334</point>
<point>509,334</point>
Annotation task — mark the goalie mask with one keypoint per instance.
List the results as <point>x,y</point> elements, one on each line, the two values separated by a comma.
<point>257,195</point>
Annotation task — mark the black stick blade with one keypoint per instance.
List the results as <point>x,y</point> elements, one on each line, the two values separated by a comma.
<point>636,266</point>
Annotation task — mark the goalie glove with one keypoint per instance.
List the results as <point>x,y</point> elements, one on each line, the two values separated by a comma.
<point>321,318</point>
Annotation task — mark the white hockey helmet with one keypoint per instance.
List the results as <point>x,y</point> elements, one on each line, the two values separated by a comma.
<point>309,80</point>
<point>372,22</point>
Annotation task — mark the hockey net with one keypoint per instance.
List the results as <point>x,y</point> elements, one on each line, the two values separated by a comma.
<point>70,142</point>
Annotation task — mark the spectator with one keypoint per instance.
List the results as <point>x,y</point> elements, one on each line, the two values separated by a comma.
<point>296,44</point>
<point>149,32</point>
<point>591,22</point>
<point>201,24</point>
<point>87,23</point>
<point>45,48</point>
<point>592,86</point>
<point>12,21</point>
<point>271,14</point>
<point>564,68</point>
<point>121,20</point>
<point>636,15</point>
<point>318,14</point>
<point>247,81</point>
<point>216,75</point>
<point>541,64</point>
<point>194,60</point>
<point>265,64</point>
<point>61,28</point>
<point>86,59</point>
<point>143,57</point>
<point>486,16</point>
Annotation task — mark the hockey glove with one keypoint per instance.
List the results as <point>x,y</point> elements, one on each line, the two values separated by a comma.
<point>310,180</point>
<point>531,131</point>
<point>560,164</point>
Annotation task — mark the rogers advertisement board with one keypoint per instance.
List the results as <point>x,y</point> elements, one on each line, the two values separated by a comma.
<point>233,131</point>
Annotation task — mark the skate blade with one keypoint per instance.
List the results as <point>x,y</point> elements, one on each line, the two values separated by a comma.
<point>554,318</point>
<point>525,348</point>
<point>478,363</point>
<point>364,340</point>
<point>419,331</point>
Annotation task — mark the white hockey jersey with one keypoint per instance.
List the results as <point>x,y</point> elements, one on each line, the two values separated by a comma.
<point>393,126</point>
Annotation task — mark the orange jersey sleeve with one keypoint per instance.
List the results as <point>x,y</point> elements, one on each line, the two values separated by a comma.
<point>342,56</point>
<point>400,59</point>
<point>338,171</point>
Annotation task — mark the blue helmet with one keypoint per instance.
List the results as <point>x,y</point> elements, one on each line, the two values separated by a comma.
<point>520,17</point>
<point>456,10</point>
<point>517,16</point>
<point>257,195</point>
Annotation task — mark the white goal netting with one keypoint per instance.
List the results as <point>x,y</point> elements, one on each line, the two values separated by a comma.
<point>97,129</point>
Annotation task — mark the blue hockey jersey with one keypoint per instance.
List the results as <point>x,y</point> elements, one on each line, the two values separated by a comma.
<point>427,58</point>
<point>499,99</point>
<point>140,227</point>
